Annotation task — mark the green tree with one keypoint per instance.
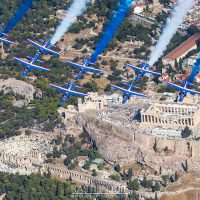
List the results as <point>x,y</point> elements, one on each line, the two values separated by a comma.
<point>155,146</point>
<point>133,185</point>
<point>176,176</point>
<point>56,153</point>
<point>107,88</point>
<point>192,29</point>
<point>115,177</point>
<point>186,132</point>
<point>198,45</point>
<point>164,2</point>
<point>130,173</point>
<point>100,166</point>
<point>87,165</point>
<point>156,187</point>
<point>28,132</point>
<point>117,168</point>
<point>91,86</point>
<point>94,173</point>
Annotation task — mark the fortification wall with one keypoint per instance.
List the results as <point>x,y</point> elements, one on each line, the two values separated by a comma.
<point>179,147</point>
<point>62,172</point>
<point>117,144</point>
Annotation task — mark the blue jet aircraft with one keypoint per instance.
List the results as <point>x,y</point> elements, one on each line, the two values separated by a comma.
<point>45,48</point>
<point>29,66</point>
<point>68,92</point>
<point>186,84</point>
<point>84,68</point>
<point>2,34</point>
<point>142,71</point>
<point>127,93</point>
<point>183,89</point>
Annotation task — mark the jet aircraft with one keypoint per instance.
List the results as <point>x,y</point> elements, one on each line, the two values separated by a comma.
<point>142,71</point>
<point>45,48</point>
<point>84,68</point>
<point>69,91</point>
<point>127,93</point>
<point>29,66</point>
<point>2,34</point>
<point>183,89</point>
<point>186,84</point>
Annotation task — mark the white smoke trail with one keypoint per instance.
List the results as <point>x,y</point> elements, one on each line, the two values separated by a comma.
<point>178,15</point>
<point>75,10</point>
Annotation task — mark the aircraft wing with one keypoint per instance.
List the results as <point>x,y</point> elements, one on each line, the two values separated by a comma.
<point>40,47</point>
<point>133,67</point>
<point>72,64</point>
<point>193,91</point>
<point>119,88</point>
<point>180,88</point>
<point>151,72</point>
<point>127,91</point>
<point>31,65</point>
<point>74,93</point>
<point>177,87</point>
<point>60,88</point>
<point>64,90</point>
<point>91,69</point>
<point>6,41</point>
<point>143,70</point>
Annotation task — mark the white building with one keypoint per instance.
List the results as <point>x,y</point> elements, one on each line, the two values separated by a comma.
<point>94,101</point>
<point>173,133</point>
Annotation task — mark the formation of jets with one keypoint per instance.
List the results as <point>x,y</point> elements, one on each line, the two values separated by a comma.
<point>87,66</point>
<point>45,48</point>
<point>29,66</point>
<point>127,93</point>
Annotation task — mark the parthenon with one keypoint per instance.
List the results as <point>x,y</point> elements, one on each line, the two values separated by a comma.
<point>171,115</point>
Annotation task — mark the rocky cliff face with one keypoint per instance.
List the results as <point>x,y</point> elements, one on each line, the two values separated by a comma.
<point>117,144</point>
<point>18,87</point>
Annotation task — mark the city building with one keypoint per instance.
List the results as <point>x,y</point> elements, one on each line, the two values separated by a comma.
<point>192,17</point>
<point>182,50</point>
<point>94,101</point>
<point>139,8</point>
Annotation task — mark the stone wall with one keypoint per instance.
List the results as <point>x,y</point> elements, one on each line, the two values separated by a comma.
<point>180,147</point>
<point>117,144</point>
<point>62,172</point>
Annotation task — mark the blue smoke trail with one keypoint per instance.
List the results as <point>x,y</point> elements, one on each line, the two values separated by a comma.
<point>110,30</point>
<point>195,69</point>
<point>18,15</point>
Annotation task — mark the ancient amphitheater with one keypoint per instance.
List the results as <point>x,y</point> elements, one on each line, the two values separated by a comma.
<point>27,154</point>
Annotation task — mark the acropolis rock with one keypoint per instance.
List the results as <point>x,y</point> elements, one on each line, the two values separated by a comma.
<point>118,144</point>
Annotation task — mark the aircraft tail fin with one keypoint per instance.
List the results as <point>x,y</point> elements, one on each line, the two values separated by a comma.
<point>131,85</point>
<point>74,86</point>
<point>91,63</point>
<point>146,65</point>
<point>24,74</point>
<point>64,99</point>
<point>88,62</point>
<point>124,100</point>
<point>31,58</point>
